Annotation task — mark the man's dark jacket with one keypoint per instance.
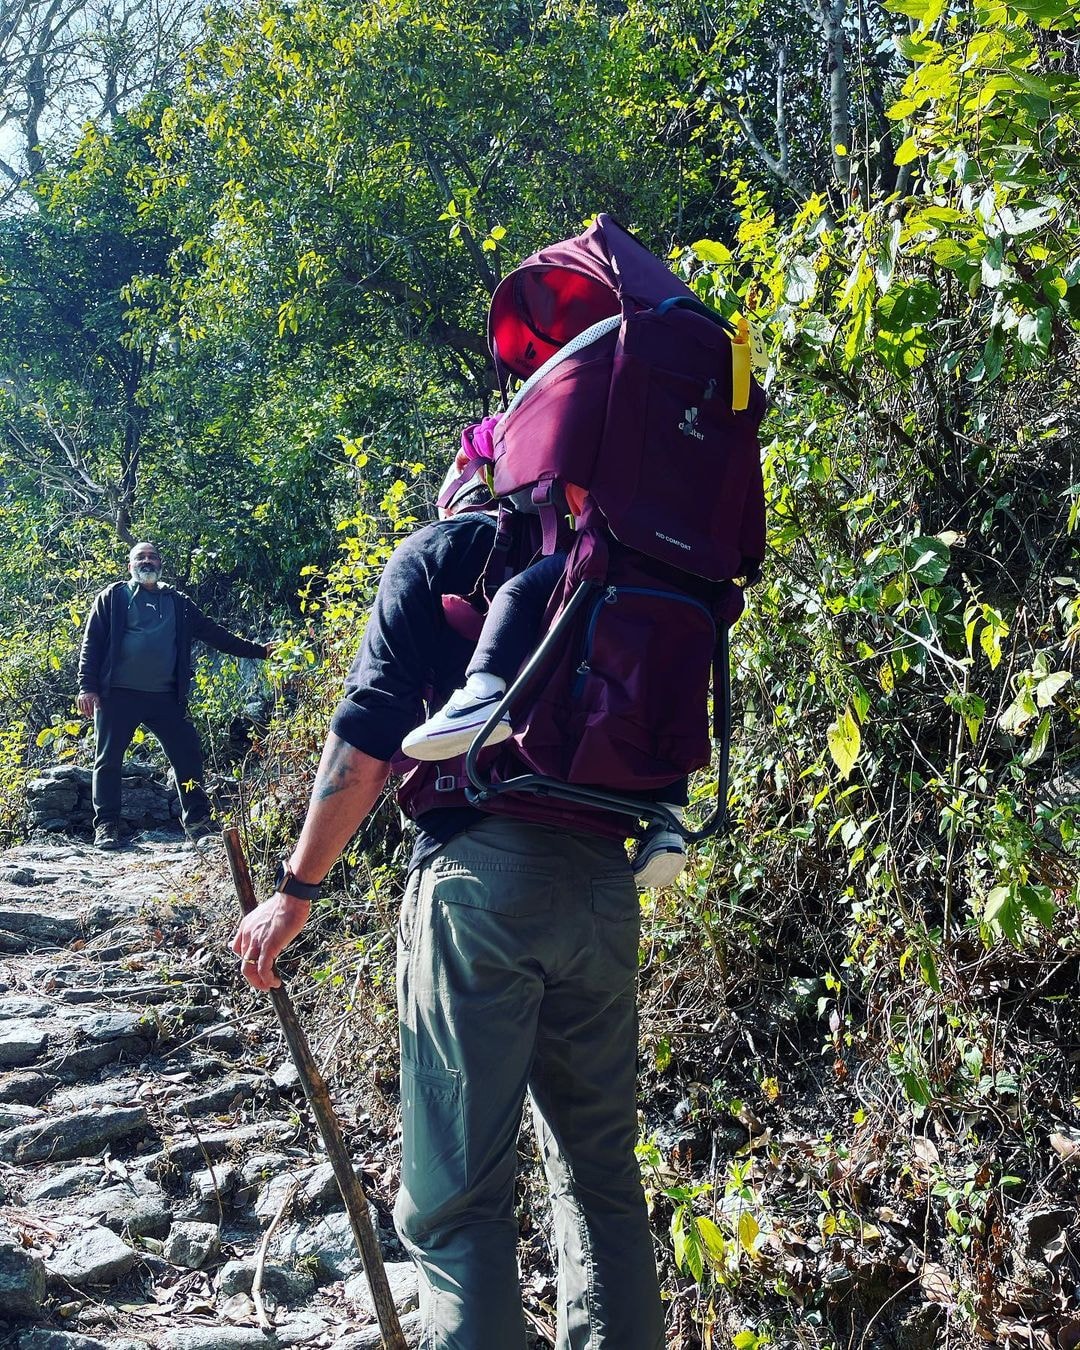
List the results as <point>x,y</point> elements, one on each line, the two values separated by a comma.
<point>105,631</point>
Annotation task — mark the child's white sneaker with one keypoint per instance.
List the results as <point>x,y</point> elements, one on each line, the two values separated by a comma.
<point>453,728</point>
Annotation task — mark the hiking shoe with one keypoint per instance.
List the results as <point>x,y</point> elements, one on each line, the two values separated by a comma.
<point>453,728</point>
<point>107,836</point>
<point>659,859</point>
<point>199,830</point>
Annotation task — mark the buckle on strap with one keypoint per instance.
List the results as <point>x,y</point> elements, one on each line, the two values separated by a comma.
<point>447,782</point>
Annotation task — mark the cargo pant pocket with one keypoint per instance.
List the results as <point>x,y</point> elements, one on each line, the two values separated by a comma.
<point>434,1167</point>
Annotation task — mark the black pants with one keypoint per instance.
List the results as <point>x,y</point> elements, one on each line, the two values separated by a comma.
<point>114,724</point>
<point>512,627</point>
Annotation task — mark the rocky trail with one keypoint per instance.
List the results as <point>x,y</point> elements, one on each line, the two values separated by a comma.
<point>156,1154</point>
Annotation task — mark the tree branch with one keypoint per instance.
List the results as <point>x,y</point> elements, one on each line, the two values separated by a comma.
<point>779,171</point>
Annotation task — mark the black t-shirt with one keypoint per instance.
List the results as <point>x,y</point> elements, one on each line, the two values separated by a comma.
<point>409,654</point>
<point>409,651</point>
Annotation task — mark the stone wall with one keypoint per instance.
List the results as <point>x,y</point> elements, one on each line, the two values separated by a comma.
<point>59,799</point>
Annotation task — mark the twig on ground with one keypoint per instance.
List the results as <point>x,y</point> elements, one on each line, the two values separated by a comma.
<point>260,1260</point>
<point>209,1165</point>
<point>544,1328</point>
<point>208,1031</point>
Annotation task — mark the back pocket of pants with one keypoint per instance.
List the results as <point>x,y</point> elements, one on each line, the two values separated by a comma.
<point>513,892</point>
<point>616,898</point>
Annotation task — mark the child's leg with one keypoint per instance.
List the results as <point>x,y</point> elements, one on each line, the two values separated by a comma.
<point>510,632</point>
<point>512,626</point>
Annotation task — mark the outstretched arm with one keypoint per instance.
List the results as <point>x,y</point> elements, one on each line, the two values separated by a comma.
<point>347,786</point>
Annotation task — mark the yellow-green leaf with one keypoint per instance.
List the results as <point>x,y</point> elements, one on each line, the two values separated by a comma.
<point>710,250</point>
<point>844,742</point>
<point>749,1228</point>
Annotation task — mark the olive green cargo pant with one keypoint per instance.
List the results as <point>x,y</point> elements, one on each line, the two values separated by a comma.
<point>517,965</point>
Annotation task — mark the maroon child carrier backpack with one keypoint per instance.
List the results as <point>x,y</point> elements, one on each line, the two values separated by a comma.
<point>642,396</point>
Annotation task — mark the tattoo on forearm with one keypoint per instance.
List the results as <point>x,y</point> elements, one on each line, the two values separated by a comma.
<point>334,774</point>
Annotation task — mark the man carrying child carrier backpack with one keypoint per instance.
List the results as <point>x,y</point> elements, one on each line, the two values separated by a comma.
<point>518,937</point>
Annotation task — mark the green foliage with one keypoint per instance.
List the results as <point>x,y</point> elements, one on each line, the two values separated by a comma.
<point>247,318</point>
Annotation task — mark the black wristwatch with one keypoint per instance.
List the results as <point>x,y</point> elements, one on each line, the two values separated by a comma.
<point>287,884</point>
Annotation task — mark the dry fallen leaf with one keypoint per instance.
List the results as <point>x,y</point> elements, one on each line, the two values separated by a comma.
<point>1068,1150</point>
<point>238,1309</point>
<point>936,1284</point>
<point>147,1309</point>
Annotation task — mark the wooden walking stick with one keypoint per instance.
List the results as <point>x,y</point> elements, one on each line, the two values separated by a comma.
<point>318,1096</point>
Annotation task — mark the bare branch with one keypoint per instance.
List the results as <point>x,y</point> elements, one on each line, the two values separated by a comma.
<point>783,175</point>
<point>781,115</point>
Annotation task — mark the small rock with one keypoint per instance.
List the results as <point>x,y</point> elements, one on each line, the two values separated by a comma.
<point>128,1212</point>
<point>22,1280</point>
<point>113,1026</point>
<point>94,1256</point>
<point>28,1088</point>
<point>404,1286</point>
<point>117,1092</point>
<point>12,1114</point>
<point>187,1014</point>
<point>187,1154</point>
<point>230,1095</point>
<point>300,1328</point>
<point>68,1182</point>
<point>213,1193</point>
<point>330,1240</point>
<point>223,1039</point>
<point>41,1338</point>
<point>371,1338</point>
<point>286,1285</point>
<point>21,1042</point>
<point>74,1136</point>
<point>192,1244</point>
<point>215,1338</point>
<point>23,1005</point>
<point>73,1065</point>
<point>321,1188</point>
<point>286,1077</point>
<point>260,1167</point>
<point>222,1181</point>
<point>273,1196</point>
<point>17,876</point>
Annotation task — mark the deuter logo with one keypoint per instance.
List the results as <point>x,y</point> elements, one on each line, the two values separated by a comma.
<point>688,426</point>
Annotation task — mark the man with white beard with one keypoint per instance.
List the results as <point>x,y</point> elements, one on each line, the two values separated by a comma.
<point>135,670</point>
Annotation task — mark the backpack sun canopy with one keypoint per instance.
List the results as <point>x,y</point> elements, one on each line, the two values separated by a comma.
<point>560,291</point>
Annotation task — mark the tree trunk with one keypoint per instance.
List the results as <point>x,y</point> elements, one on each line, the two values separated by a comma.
<point>832,23</point>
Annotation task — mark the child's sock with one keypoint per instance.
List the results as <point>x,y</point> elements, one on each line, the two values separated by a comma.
<point>452,729</point>
<point>482,684</point>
